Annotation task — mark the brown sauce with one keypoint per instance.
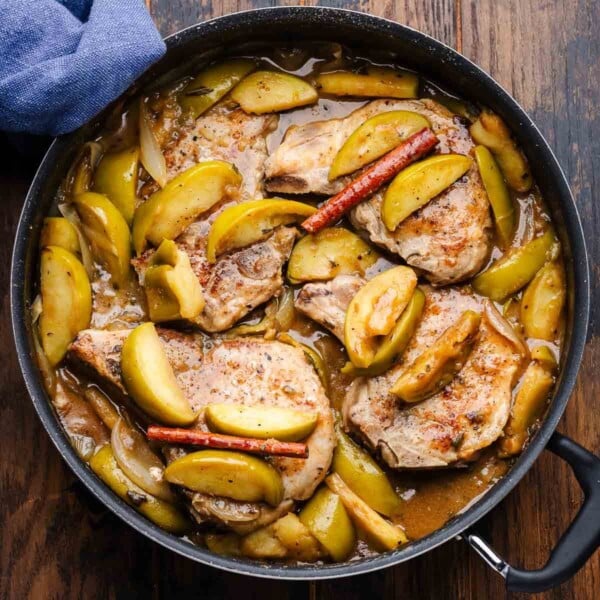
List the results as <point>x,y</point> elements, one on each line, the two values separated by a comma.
<point>429,498</point>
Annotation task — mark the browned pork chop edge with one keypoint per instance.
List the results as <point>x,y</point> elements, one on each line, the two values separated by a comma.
<point>246,278</point>
<point>456,423</point>
<point>448,240</point>
<point>248,371</point>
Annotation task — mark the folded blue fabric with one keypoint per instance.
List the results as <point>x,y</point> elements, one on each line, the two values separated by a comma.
<point>61,62</point>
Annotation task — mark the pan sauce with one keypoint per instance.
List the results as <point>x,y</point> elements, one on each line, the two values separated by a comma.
<point>429,498</point>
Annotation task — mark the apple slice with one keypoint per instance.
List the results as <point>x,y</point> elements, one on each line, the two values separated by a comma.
<point>503,208</point>
<point>331,252</point>
<point>164,514</point>
<point>230,474</point>
<point>208,87</point>
<point>66,301</point>
<point>382,532</point>
<point>263,422</point>
<point>363,475</point>
<point>168,212</point>
<point>270,91</point>
<point>327,519</point>
<point>438,364</point>
<point>491,131</point>
<point>108,234</point>
<point>244,224</point>
<point>381,82</point>
<point>150,380</point>
<point>418,184</point>
<point>374,312</point>
<point>58,231</point>
<point>172,289</point>
<point>117,178</point>
<point>374,138</point>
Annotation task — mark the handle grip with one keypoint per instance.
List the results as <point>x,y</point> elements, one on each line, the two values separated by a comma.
<point>578,542</point>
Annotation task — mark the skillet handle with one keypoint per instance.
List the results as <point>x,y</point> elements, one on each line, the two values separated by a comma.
<point>575,546</point>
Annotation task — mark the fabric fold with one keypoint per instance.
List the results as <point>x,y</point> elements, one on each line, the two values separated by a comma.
<point>57,72</point>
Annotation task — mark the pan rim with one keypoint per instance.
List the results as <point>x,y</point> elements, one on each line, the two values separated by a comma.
<point>456,525</point>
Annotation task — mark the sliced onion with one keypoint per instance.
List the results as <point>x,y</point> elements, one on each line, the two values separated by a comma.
<point>103,407</point>
<point>264,325</point>
<point>84,445</point>
<point>138,462</point>
<point>84,165</point>
<point>36,309</point>
<point>284,317</point>
<point>503,327</point>
<point>261,327</point>
<point>150,153</point>
<point>68,212</point>
<point>230,511</point>
<point>279,316</point>
<point>48,373</point>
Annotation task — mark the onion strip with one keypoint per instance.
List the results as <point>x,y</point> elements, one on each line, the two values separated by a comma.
<point>138,462</point>
<point>151,155</point>
<point>284,317</point>
<point>102,406</point>
<point>503,327</point>
<point>79,176</point>
<point>84,445</point>
<point>48,375</point>
<point>36,309</point>
<point>68,212</point>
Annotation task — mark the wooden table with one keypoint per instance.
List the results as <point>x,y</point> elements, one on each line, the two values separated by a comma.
<point>56,542</point>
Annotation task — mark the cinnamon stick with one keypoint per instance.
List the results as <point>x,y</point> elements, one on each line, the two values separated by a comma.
<point>413,148</point>
<point>270,447</point>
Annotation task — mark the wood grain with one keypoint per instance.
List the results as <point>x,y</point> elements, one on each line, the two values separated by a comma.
<point>546,54</point>
<point>58,543</point>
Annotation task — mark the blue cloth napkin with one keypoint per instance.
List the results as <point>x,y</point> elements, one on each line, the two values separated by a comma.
<point>62,61</point>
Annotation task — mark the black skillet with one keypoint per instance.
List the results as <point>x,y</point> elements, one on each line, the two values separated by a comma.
<point>443,65</point>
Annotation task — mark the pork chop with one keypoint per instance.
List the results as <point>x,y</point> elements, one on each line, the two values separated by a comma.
<point>239,281</point>
<point>242,280</point>
<point>465,417</point>
<point>247,371</point>
<point>223,134</point>
<point>326,302</point>
<point>448,239</point>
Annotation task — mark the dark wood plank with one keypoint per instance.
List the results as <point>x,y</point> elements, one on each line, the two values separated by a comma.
<point>436,18</point>
<point>547,55</point>
<point>58,543</point>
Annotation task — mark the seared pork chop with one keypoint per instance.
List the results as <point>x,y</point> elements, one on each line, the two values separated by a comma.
<point>229,135</point>
<point>242,280</point>
<point>239,281</point>
<point>466,416</point>
<point>300,164</point>
<point>448,239</point>
<point>247,371</point>
<point>452,425</point>
<point>327,302</point>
